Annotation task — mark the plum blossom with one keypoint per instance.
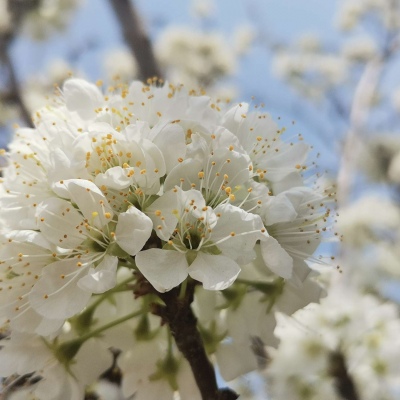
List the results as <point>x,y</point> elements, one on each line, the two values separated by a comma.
<point>95,240</point>
<point>202,242</point>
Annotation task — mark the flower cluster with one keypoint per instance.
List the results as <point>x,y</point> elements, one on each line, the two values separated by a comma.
<point>309,68</point>
<point>197,58</point>
<point>353,12</point>
<point>345,347</point>
<point>43,17</point>
<point>148,188</point>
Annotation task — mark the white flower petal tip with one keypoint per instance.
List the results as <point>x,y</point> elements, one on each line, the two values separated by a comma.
<point>101,278</point>
<point>164,269</point>
<point>215,272</point>
<point>133,230</point>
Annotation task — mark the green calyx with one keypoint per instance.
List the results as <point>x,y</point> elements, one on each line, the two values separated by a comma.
<point>66,351</point>
<point>143,330</point>
<point>211,337</point>
<point>167,369</point>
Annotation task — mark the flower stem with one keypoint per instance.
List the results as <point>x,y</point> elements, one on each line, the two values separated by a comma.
<point>111,324</point>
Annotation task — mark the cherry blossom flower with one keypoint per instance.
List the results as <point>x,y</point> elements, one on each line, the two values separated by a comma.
<point>202,242</point>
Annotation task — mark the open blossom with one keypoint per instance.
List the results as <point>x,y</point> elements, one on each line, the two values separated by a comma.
<point>204,242</point>
<point>95,240</point>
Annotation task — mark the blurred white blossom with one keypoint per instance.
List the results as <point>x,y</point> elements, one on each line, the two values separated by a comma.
<point>361,49</point>
<point>49,15</point>
<point>349,339</point>
<point>118,64</point>
<point>193,57</point>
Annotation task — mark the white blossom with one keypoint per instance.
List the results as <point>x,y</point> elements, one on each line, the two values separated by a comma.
<point>203,242</point>
<point>195,58</point>
<point>119,64</point>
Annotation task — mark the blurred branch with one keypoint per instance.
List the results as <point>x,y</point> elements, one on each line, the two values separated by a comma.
<point>136,38</point>
<point>343,381</point>
<point>17,9</point>
<point>363,98</point>
<point>14,94</point>
<point>358,114</point>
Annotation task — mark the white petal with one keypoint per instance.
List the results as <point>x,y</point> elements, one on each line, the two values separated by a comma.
<point>215,272</point>
<point>115,178</point>
<point>56,294</point>
<point>101,278</point>
<point>290,181</point>
<point>167,204</point>
<point>188,170</point>
<point>279,209</point>
<point>58,221</point>
<point>283,163</point>
<point>170,140</point>
<point>276,258</point>
<point>235,360</point>
<point>247,229</point>
<point>82,97</point>
<point>90,200</point>
<point>164,269</point>
<point>30,321</point>
<point>92,359</point>
<point>133,230</point>
<point>155,154</point>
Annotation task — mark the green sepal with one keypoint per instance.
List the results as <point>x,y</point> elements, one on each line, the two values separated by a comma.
<point>167,369</point>
<point>211,338</point>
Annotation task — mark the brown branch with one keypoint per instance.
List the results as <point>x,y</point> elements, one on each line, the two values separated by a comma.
<point>136,39</point>
<point>344,383</point>
<point>17,9</point>
<point>182,322</point>
<point>15,94</point>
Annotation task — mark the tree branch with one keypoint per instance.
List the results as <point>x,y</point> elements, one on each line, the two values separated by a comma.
<point>182,322</point>
<point>343,381</point>
<point>136,39</point>
<point>17,9</point>
<point>14,95</point>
